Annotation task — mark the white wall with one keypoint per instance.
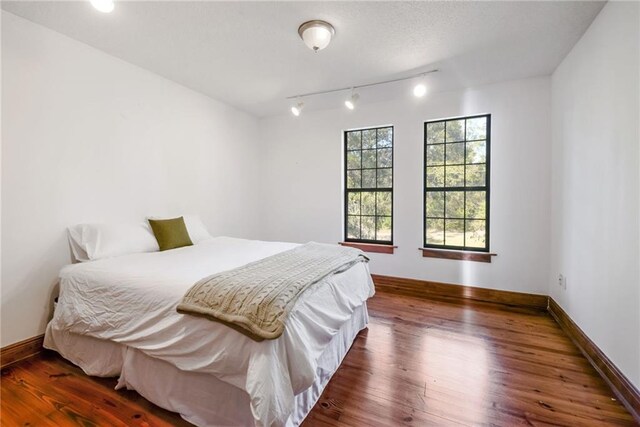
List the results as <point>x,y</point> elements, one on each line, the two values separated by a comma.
<point>596,185</point>
<point>91,138</point>
<point>0,175</point>
<point>302,185</point>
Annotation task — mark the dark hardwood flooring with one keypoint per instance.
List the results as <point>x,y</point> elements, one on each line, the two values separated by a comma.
<point>420,363</point>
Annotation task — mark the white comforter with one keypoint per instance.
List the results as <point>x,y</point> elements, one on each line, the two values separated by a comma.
<point>132,300</point>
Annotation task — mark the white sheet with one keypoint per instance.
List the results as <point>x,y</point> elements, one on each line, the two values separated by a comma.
<point>200,398</point>
<point>132,299</point>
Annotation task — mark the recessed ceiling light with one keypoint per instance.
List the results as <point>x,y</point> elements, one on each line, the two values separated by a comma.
<point>104,6</point>
<point>316,34</point>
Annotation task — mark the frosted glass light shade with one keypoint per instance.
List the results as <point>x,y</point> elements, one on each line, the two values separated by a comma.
<point>316,34</point>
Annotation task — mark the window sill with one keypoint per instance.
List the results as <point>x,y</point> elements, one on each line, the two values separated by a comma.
<point>370,247</point>
<point>458,255</point>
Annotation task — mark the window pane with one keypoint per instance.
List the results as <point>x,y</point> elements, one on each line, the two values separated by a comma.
<point>454,232</point>
<point>353,227</point>
<point>385,138</point>
<point>385,178</point>
<point>435,155</point>
<point>454,204</point>
<point>353,179</point>
<point>435,176</point>
<point>368,206</point>
<point>369,178</point>
<point>435,133</point>
<point>455,176</point>
<point>384,203</point>
<point>476,232</point>
<point>383,228</point>
<point>477,128</point>
<point>369,184</point>
<point>476,152</point>
<point>476,204</point>
<point>435,232</point>
<point>369,158</point>
<point>353,140</point>
<point>455,154</point>
<point>476,175</point>
<point>368,228</point>
<point>384,158</point>
<point>369,138</point>
<point>455,218</point>
<point>434,204</point>
<point>455,130</point>
<point>353,159</point>
<point>353,207</point>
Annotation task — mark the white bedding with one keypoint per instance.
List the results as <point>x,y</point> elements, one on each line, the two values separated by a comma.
<point>132,300</point>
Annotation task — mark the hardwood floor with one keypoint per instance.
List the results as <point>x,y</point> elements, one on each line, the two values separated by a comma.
<point>421,363</point>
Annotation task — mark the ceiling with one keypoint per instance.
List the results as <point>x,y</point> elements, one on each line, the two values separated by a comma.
<point>249,55</point>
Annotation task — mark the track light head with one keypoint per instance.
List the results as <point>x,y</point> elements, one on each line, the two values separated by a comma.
<point>297,109</point>
<point>104,6</point>
<point>350,102</point>
<point>419,90</point>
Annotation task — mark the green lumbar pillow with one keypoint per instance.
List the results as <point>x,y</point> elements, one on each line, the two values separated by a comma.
<point>170,233</point>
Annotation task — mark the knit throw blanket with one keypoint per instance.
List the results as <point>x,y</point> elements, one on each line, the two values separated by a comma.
<point>256,298</point>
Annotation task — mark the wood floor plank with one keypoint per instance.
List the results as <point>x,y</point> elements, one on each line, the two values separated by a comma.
<point>421,362</point>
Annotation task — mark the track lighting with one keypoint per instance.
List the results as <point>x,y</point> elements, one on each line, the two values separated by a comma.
<point>297,109</point>
<point>104,6</point>
<point>419,90</point>
<point>350,102</point>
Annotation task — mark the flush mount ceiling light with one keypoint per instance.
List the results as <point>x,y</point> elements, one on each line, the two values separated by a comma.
<point>297,109</point>
<point>350,102</point>
<point>104,6</point>
<point>316,34</point>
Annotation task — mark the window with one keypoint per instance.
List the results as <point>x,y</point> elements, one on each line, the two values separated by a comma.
<point>456,181</point>
<point>368,196</point>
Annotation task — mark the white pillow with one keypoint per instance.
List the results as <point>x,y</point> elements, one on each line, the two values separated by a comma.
<point>90,242</point>
<point>196,229</point>
<point>75,239</point>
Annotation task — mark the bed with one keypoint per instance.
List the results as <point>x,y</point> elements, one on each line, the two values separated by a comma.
<point>117,317</point>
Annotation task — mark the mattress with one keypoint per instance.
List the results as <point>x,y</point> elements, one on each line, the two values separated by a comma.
<point>131,300</point>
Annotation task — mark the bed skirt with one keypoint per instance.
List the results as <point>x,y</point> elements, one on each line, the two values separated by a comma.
<point>201,399</point>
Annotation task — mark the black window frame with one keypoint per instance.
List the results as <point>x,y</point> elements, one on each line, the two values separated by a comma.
<point>347,190</point>
<point>464,188</point>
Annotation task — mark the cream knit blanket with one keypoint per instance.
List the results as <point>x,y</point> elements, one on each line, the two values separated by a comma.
<point>256,298</point>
